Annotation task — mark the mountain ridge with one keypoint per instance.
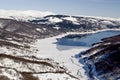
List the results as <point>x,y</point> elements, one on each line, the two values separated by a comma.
<point>32,14</point>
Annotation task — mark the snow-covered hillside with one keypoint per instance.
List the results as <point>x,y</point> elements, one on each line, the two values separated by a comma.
<point>66,23</point>
<point>30,49</point>
<point>102,61</point>
<point>63,23</point>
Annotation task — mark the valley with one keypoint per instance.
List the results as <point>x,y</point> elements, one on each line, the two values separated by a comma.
<point>51,47</point>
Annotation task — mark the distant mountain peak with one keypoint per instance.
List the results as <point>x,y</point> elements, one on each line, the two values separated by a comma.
<point>23,14</point>
<point>32,14</point>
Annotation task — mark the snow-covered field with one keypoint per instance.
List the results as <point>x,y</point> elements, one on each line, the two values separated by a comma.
<point>48,49</point>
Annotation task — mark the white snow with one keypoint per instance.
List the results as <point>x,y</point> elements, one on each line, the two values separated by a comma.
<point>100,17</point>
<point>54,20</point>
<point>72,19</point>
<point>23,14</point>
<point>52,76</point>
<point>92,20</point>
<point>38,29</point>
<point>10,73</point>
<point>107,22</point>
<point>56,28</point>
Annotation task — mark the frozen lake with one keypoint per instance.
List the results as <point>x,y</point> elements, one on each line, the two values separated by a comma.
<point>85,40</point>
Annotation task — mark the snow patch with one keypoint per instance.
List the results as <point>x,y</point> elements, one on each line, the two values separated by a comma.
<point>38,29</point>
<point>56,20</point>
<point>107,22</point>
<point>52,76</point>
<point>56,28</point>
<point>72,19</point>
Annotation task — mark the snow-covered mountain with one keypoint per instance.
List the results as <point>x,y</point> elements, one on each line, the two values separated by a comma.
<point>23,14</point>
<point>29,46</point>
<point>62,23</point>
<point>76,24</point>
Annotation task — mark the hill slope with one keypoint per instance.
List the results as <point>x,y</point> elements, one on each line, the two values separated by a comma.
<point>103,59</point>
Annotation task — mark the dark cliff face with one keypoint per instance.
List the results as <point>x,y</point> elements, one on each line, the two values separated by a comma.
<point>103,59</point>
